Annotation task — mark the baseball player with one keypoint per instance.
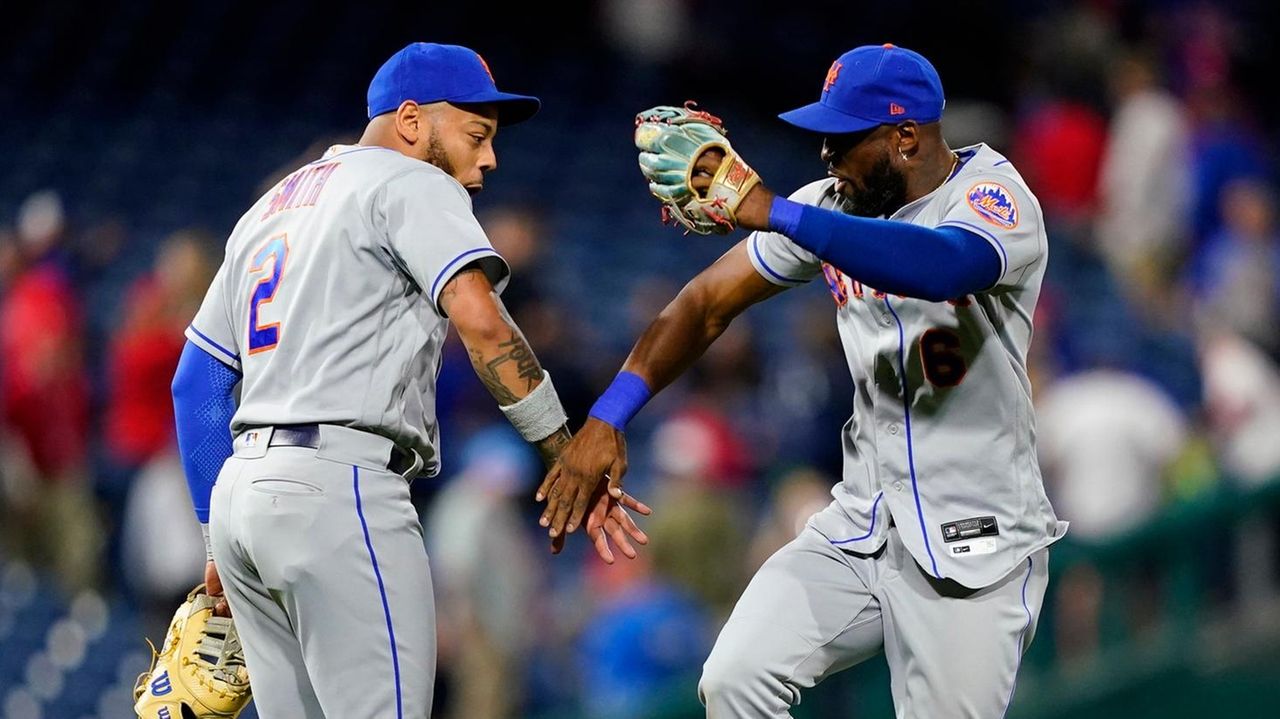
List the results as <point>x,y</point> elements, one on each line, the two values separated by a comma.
<point>329,312</point>
<point>934,549</point>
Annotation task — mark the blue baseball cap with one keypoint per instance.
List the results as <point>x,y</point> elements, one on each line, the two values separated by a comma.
<point>873,85</point>
<point>426,72</point>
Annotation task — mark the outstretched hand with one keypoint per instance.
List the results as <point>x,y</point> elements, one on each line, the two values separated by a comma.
<point>573,492</point>
<point>596,452</point>
<point>609,521</point>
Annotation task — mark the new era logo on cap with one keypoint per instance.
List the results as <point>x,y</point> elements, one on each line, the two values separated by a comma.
<point>873,85</point>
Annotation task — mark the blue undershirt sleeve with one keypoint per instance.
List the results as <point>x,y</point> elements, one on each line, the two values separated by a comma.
<point>932,264</point>
<point>203,404</point>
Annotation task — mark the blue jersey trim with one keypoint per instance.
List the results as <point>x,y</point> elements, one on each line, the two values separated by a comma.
<point>755,250</point>
<point>235,357</point>
<point>1021,636</point>
<point>382,590</point>
<point>911,460</point>
<point>1002,162</point>
<point>879,496</point>
<point>454,261</point>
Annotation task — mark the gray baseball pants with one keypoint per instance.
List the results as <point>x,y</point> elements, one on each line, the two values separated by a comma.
<point>321,556</point>
<point>814,609</point>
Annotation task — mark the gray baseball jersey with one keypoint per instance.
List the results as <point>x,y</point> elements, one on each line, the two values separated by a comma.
<point>942,437</point>
<point>326,300</point>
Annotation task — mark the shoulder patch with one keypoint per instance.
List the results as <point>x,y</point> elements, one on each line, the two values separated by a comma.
<point>994,203</point>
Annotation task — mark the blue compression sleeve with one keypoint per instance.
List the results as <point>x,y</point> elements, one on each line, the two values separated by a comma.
<point>933,264</point>
<point>203,404</point>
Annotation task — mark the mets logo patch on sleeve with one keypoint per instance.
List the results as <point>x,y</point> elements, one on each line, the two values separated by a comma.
<point>994,203</point>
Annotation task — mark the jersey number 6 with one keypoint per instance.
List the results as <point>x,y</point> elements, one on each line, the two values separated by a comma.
<point>940,356</point>
<point>263,338</point>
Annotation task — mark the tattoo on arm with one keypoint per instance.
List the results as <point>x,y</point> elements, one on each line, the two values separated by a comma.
<point>514,351</point>
<point>506,367</point>
<point>518,351</point>
<point>451,287</point>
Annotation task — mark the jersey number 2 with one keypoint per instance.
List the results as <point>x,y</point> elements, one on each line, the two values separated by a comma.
<point>263,338</point>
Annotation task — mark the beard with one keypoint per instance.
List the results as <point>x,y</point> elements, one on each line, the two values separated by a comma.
<point>884,191</point>
<point>436,154</point>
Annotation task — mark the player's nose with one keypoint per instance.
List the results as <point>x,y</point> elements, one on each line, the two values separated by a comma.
<point>827,155</point>
<point>488,159</point>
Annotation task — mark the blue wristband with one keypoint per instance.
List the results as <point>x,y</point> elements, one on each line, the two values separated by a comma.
<point>784,215</point>
<point>620,402</point>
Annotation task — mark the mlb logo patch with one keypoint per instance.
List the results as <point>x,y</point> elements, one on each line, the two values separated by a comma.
<point>994,203</point>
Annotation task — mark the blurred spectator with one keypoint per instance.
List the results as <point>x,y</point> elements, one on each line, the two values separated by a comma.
<point>1059,136</point>
<point>1058,148</point>
<point>698,445</point>
<point>1227,143</point>
<point>145,350</point>
<point>162,555</point>
<point>44,384</point>
<point>485,574</point>
<point>700,505</point>
<point>1242,404</point>
<point>1237,274</point>
<point>796,497</point>
<point>137,425</point>
<point>650,634</point>
<point>45,392</point>
<point>1145,191</point>
<point>1106,439</point>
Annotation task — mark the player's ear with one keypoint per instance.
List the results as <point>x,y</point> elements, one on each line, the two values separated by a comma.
<point>409,121</point>
<point>908,137</point>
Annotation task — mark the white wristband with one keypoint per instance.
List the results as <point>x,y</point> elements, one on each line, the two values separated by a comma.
<point>539,414</point>
<point>208,546</point>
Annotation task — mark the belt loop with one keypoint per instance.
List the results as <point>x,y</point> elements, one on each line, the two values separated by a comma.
<point>412,473</point>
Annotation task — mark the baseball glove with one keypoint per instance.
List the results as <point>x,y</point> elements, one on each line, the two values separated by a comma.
<point>199,672</point>
<point>670,140</point>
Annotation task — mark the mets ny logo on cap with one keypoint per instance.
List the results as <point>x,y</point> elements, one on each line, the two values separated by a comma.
<point>832,74</point>
<point>994,203</point>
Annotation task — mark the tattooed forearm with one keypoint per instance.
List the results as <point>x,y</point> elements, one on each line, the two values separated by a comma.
<point>497,372</point>
<point>499,353</point>
<point>551,447</point>
<point>517,350</point>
